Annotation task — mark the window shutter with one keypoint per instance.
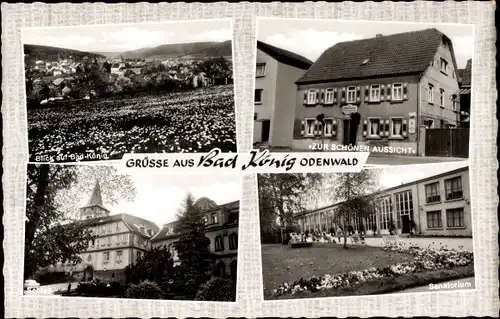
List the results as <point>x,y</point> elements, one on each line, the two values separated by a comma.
<point>387,127</point>
<point>358,94</point>
<point>404,129</point>
<point>367,93</point>
<point>302,128</point>
<point>334,129</point>
<point>322,100</point>
<point>316,127</point>
<point>335,95</point>
<point>382,93</point>
<point>343,95</point>
<point>389,93</point>
<point>405,91</point>
<point>305,97</point>
<point>317,96</point>
<point>365,127</point>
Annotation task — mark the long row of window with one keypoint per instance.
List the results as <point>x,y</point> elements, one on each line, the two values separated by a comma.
<point>452,189</point>
<point>454,219</point>
<point>106,256</point>
<point>123,238</point>
<point>373,127</point>
<point>352,94</point>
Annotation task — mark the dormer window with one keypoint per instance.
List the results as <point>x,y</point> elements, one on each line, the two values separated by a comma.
<point>214,219</point>
<point>444,65</point>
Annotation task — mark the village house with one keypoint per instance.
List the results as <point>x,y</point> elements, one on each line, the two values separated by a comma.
<point>379,91</point>
<point>121,239</point>
<point>435,206</point>
<point>221,228</point>
<point>274,96</point>
<point>464,79</point>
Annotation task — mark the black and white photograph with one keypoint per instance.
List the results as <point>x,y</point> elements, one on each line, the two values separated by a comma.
<point>380,231</point>
<point>97,92</point>
<point>400,91</point>
<point>92,233</point>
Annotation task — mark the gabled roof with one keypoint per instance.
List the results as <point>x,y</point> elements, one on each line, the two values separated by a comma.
<point>133,223</point>
<point>390,55</point>
<point>464,75</point>
<point>284,56</point>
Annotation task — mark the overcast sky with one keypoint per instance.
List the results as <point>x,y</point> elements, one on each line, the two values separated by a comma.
<point>310,38</point>
<point>118,38</point>
<point>159,197</point>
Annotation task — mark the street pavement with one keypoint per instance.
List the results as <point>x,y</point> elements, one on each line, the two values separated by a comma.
<point>428,242</point>
<point>422,242</point>
<point>381,159</point>
<point>457,284</point>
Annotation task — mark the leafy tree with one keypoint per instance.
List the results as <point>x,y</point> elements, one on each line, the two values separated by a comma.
<point>282,195</point>
<point>53,232</point>
<point>354,190</point>
<point>192,248</point>
<point>155,265</point>
<point>90,74</point>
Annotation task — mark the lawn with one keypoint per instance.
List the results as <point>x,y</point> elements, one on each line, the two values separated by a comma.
<point>280,263</point>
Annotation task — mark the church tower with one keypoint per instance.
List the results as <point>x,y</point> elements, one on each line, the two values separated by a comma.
<point>95,207</point>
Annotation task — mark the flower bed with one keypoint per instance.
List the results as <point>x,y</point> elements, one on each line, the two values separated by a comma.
<point>424,260</point>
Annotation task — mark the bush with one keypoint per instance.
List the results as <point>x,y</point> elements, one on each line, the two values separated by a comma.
<point>145,290</point>
<point>217,289</point>
<point>98,288</point>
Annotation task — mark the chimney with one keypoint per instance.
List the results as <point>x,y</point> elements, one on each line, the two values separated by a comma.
<point>379,35</point>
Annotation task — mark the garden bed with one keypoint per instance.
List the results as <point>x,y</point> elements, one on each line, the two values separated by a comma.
<point>389,285</point>
<point>365,270</point>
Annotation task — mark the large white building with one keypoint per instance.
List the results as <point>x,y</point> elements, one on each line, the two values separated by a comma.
<point>438,206</point>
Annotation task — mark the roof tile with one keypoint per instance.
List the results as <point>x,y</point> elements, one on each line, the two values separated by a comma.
<point>395,54</point>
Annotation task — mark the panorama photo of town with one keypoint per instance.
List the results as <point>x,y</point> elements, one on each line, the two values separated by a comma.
<point>96,93</point>
<point>401,91</point>
<point>380,231</point>
<point>92,233</point>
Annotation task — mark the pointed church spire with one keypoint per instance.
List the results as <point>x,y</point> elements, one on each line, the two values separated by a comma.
<point>94,207</point>
<point>96,198</point>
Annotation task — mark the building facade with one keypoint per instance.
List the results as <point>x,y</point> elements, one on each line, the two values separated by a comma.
<point>465,76</point>
<point>274,97</point>
<point>435,206</point>
<point>120,240</point>
<point>379,91</point>
<point>221,228</point>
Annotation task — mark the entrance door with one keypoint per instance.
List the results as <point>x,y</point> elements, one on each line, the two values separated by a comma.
<point>405,224</point>
<point>353,132</point>
<point>347,132</point>
<point>233,269</point>
<point>266,126</point>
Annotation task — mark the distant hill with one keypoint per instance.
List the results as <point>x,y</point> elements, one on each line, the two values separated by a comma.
<point>196,49</point>
<point>219,49</point>
<point>46,53</point>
